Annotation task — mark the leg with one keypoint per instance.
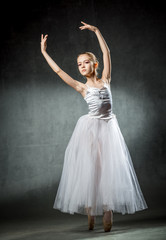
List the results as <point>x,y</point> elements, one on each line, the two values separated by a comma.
<point>107,220</point>
<point>91,222</point>
<point>91,219</point>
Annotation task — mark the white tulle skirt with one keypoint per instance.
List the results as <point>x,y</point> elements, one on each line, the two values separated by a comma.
<point>98,173</point>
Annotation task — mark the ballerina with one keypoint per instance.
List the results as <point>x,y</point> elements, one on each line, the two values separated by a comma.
<point>98,176</point>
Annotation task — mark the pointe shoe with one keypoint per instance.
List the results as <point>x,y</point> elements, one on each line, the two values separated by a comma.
<point>91,222</point>
<point>107,224</point>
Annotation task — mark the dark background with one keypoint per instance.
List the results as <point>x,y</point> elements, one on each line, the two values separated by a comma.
<point>39,111</point>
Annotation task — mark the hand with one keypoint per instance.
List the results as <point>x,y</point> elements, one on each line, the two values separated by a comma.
<point>43,43</point>
<point>88,26</point>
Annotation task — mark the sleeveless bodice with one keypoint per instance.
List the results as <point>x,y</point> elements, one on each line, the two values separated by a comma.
<point>99,101</point>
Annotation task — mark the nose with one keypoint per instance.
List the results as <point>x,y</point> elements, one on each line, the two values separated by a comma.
<point>83,65</point>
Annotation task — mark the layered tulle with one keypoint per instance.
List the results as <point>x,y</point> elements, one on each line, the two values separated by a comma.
<point>98,173</point>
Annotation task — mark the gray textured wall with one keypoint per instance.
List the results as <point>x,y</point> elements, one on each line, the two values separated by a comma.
<point>39,111</point>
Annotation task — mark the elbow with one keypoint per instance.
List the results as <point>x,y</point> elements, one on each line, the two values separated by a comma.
<point>58,71</point>
<point>106,52</point>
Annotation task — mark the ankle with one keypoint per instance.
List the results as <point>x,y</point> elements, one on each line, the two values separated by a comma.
<point>108,216</point>
<point>91,217</point>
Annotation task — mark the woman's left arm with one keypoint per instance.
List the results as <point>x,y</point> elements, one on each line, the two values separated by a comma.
<point>106,74</point>
<point>106,56</point>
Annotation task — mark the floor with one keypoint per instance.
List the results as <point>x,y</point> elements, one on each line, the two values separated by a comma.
<point>73,227</point>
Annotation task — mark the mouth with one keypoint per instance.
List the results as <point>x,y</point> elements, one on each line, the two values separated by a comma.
<point>83,70</point>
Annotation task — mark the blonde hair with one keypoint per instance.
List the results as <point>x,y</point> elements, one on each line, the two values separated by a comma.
<point>93,58</point>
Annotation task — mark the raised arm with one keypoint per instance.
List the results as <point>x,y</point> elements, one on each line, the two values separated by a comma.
<point>63,75</point>
<point>106,74</point>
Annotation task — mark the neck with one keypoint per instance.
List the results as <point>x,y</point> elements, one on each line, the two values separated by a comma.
<point>93,79</point>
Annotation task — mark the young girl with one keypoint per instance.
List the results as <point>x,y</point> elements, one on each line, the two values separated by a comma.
<point>98,176</point>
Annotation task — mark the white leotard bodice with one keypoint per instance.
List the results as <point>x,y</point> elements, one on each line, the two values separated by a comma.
<point>99,101</point>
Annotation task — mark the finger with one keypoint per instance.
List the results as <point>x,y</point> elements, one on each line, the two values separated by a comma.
<point>83,22</point>
<point>82,27</point>
<point>41,37</point>
<point>45,37</point>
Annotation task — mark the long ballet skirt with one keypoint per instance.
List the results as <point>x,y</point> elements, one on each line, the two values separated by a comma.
<point>98,172</point>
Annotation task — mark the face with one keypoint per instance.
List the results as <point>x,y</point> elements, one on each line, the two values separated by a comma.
<point>85,65</point>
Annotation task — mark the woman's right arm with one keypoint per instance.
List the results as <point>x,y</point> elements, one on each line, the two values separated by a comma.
<point>78,86</point>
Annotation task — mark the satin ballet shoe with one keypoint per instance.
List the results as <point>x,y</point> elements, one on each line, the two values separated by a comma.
<point>91,222</point>
<point>107,224</point>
